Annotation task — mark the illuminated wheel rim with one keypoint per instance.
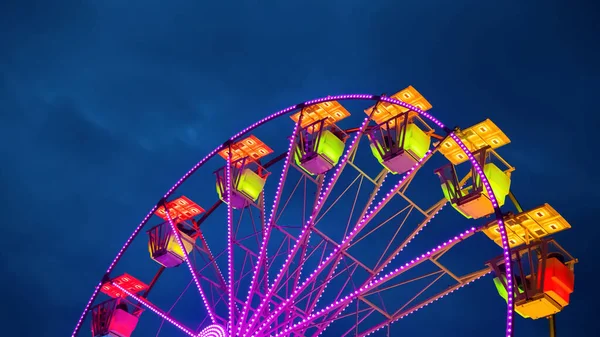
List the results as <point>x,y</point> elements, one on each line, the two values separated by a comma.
<point>265,318</point>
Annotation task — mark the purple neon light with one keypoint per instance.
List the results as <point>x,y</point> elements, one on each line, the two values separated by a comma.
<point>213,330</point>
<point>136,232</point>
<point>266,276</point>
<point>492,196</point>
<point>390,261</point>
<point>300,269</point>
<point>324,287</point>
<point>262,255</point>
<point>264,120</point>
<point>320,332</point>
<point>86,309</point>
<point>157,311</point>
<point>474,162</point>
<point>214,259</point>
<point>439,298</point>
<point>186,258</point>
<point>352,296</point>
<point>343,245</point>
<point>110,268</point>
<point>305,229</point>
<point>230,265</point>
<point>192,170</point>
<point>423,305</point>
<point>412,237</point>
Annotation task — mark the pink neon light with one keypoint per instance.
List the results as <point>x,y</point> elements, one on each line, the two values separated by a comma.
<point>492,196</point>
<point>158,312</point>
<point>180,181</point>
<point>262,255</point>
<point>352,296</point>
<point>412,238</point>
<point>343,245</point>
<point>231,323</point>
<point>305,229</point>
<point>485,181</point>
<point>393,258</point>
<point>426,304</point>
<point>213,259</point>
<point>409,312</point>
<point>209,309</point>
<point>213,330</point>
<point>322,290</point>
<point>135,233</point>
<point>384,266</point>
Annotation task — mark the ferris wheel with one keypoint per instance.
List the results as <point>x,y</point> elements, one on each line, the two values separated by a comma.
<point>324,225</point>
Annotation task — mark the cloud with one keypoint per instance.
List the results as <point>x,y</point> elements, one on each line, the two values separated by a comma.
<point>67,131</point>
<point>103,104</point>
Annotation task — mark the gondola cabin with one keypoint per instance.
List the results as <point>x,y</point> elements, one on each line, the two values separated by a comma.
<point>554,284</point>
<point>398,145</point>
<point>163,245</point>
<point>473,201</point>
<point>117,317</point>
<point>542,289</point>
<point>248,177</point>
<point>114,318</point>
<point>319,143</point>
<point>401,138</point>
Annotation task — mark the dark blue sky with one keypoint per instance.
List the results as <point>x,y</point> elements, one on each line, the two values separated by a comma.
<point>104,104</point>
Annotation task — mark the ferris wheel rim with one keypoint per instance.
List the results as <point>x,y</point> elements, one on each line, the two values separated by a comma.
<point>347,97</point>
